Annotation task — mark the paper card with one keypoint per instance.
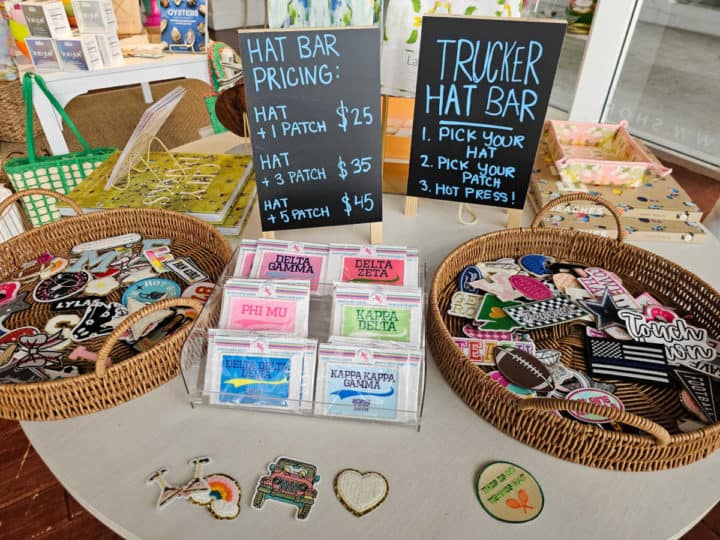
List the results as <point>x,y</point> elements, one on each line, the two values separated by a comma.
<point>382,313</point>
<point>361,382</point>
<point>276,373</point>
<point>384,265</point>
<point>482,351</point>
<point>245,259</point>
<point>265,306</point>
<point>279,259</point>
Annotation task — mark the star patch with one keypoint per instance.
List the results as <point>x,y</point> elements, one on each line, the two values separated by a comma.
<point>605,311</point>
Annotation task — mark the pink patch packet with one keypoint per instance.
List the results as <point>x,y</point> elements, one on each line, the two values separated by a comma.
<point>276,307</point>
<point>245,258</point>
<point>381,265</point>
<point>282,259</point>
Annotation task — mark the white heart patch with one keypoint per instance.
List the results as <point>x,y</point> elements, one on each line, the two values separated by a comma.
<point>361,492</point>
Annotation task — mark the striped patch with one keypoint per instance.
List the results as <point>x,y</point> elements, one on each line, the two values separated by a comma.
<point>628,360</point>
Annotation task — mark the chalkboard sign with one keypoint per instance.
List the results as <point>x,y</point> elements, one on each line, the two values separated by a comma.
<point>482,93</point>
<point>313,99</point>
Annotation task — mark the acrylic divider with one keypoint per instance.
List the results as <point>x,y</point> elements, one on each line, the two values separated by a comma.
<point>353,375</point>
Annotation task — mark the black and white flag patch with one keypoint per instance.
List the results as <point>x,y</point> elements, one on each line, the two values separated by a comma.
<point>627,360</point>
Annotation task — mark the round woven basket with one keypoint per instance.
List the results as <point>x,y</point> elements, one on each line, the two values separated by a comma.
<point>653,410</point>
<point>119,374</point>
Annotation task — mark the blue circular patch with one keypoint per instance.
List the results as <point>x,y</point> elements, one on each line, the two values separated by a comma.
<point>536,264</point>
<point>151,290</point>
<point>469,273</point>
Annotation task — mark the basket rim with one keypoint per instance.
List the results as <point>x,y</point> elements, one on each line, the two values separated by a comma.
<point>434,311</point>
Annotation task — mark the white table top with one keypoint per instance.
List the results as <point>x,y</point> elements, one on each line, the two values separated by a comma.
<point>103,459</point>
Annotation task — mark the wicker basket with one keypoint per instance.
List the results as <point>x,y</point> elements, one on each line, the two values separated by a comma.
<point>653,410</point>
<point>128,375</point>
<point>12,119</point>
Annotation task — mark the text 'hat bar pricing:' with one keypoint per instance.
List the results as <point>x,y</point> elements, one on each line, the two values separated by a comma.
<point>313,99</point>
<point>482,92</point>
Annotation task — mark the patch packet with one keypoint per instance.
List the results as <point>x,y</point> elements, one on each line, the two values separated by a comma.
<point>245,258</point>
<point>260,371</point>
<point>377,313</point>
<point>280,259</point>
<point>381,265</point>
<point>279,307</point>
<point>368,382</point>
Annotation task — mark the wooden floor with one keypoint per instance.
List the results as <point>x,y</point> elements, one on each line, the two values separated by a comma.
<point>33,505</point>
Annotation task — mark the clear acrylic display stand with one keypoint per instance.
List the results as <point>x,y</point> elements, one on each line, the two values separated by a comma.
<point>304,399</point>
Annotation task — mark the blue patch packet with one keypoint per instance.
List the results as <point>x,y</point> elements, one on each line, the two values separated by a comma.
<point>358,381</point>
<point>252,370</point>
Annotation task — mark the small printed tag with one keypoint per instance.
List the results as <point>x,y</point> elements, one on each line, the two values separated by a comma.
<point>187,270</point>
<point>545,313</point>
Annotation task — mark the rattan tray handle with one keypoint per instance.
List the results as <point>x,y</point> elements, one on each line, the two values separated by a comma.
<point>104,361</point>
<point>45,192</point>
<point>662,437</point>
<point>545,210</point>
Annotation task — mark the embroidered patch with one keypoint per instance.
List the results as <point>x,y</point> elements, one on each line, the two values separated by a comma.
<point>463,304</point>
<point>598,397</point>
<point>359,492</point>
<point>149,291</point>
<point>538,265</point>
<point>100,319</point>
<point>522,368</point>
<point>187,270</point>
<point>605,311</point>
<point>544,313</point>
<point>199,291</point>
<point>627,360</point>
<point>492,314</point>
<point>287,477</point>
<point>531,288</point>
<point>60,286</point>
<point>500,286</point>
<point>509,493</point>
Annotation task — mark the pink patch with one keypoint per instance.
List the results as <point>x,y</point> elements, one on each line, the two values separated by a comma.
<point>659,313</point>
<point>8,291</point>
<point>375,270</point>
<point>531,288</point>
<point>262,314</point>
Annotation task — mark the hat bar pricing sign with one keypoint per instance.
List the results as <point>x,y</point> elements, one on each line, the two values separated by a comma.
<point>482,93</point>
<point>313,99</point>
